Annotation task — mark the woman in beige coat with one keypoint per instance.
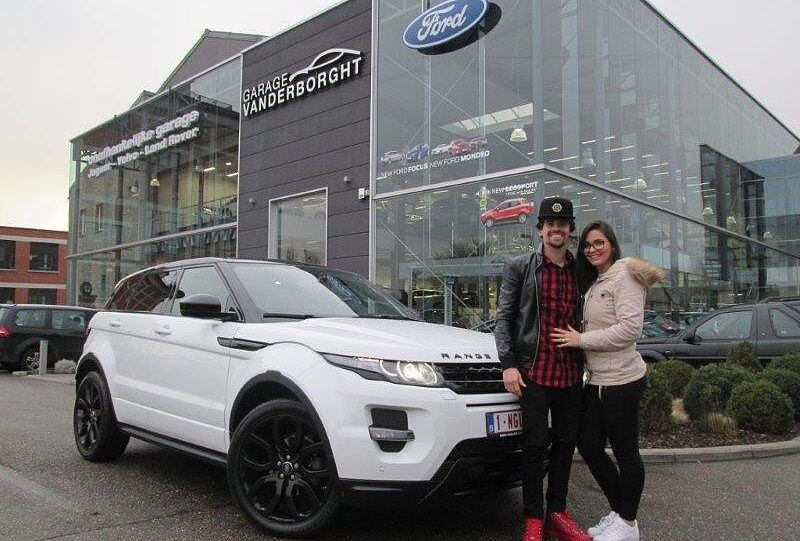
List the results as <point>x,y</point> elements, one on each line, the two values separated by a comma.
<point>613,315</point>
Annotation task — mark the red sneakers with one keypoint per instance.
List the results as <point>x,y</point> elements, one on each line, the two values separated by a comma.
<point>533,530</point>
<point>562,527</point>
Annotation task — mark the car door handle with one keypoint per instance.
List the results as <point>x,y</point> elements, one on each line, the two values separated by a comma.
<point>164,331</point>
<point>115,323</point>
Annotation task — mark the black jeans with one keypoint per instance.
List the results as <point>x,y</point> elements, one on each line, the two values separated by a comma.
<point>564,406</point>
<point>612,413</point>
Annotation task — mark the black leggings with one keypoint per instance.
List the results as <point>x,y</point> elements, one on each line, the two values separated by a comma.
<point>612,413</point>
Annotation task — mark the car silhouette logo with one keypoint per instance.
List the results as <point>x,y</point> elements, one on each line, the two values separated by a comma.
<point>323,59</point>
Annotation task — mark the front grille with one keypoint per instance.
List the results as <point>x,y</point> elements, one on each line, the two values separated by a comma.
<point>472,378</point>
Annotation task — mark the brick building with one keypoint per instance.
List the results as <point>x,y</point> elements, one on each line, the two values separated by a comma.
<point>32,265</point>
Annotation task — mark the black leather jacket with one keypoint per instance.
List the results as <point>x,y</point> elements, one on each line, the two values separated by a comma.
<point>516,331</point>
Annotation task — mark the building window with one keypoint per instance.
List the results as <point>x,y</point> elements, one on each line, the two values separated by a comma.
<point>42,296</point>
<point>82,223</point>
<point>98,217</point>
<point>298,228</point>
<point>6,295</point>
<point>44,256</point>
<point>7,254</point>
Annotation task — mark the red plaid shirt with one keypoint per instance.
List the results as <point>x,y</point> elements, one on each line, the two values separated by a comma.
<point>556,367</point>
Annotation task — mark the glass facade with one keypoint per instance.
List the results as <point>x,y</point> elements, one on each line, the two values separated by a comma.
<point>163,171</point>
<point>600,101</point>
<point>298,228</point>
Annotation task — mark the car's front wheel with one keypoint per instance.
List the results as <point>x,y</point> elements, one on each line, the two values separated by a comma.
<point>97,435</point>
<point>281,472</point>
<point>489,223</point>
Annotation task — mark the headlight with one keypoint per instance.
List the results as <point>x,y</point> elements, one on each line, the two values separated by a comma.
<point>404,372</point>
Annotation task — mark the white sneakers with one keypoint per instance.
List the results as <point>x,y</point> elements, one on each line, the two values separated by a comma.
<point>604,523</point>
<point>616,530</point>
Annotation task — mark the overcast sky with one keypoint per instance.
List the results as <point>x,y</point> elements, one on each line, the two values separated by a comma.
<point>70,65</point>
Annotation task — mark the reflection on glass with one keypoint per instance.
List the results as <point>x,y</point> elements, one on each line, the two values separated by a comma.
<point>298,228</point>
<point>443,251</point>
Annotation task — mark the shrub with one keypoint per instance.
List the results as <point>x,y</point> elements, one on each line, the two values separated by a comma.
<point>656,407</point>
<point>788,382</point>
<point>762,407</point>
<point>744,354</point>
<point>719,423</point>
<point>710,388</point>
<point>790,361</point>
<point>676,373</point>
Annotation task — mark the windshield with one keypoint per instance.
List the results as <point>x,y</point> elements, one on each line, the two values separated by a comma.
<point>285,291</point>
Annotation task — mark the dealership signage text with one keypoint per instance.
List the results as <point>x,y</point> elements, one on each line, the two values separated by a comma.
<point>444,22</point>
<point>153,140</point>
<point>327,69</point>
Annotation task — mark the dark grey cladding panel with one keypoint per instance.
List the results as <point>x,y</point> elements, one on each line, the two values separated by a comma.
<point>350,223</point>
<point>266,189</point>
<point>359,264</point>
<point>351,35</point>
<point>260,173</point>
<point>310,143</point>
<point>348,246</point>
<point>330,29</point>
<point>254,241</point>
<point>253,219</point>
<point>304,129</point>
<point>329,104</point>
<point>340,139</point>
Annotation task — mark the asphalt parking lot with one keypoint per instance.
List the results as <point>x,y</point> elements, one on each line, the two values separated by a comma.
<point>48,492</point>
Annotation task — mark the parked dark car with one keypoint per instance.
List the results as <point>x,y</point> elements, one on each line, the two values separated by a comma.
<point>772,327</point>
<point>22,326</point>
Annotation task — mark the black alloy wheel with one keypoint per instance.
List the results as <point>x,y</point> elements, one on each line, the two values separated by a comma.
<point>96,434</point>
<point>281,472</point>
<point>29,359</point>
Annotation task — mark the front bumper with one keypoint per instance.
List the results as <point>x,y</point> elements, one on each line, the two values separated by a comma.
<point>449,433</point>
<point>472,466</point>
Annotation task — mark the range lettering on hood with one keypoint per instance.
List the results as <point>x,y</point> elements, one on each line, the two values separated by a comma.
<point>467,356</point>
<point>328,68</point>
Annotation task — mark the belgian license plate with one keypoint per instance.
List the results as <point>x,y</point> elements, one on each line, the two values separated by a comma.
<point>504,423</point>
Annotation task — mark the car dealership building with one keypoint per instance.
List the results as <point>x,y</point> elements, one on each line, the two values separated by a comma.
<point>412,142</point>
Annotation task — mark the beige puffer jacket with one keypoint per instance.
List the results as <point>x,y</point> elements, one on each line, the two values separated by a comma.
<point>613,316</point>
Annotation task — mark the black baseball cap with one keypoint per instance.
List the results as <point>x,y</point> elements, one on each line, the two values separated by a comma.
<point>556,208</point>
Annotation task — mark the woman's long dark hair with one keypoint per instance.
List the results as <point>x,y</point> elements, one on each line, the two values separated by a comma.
<point>585,271</point>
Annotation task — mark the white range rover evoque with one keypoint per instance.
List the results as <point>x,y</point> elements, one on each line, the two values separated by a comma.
<point>311,386</point>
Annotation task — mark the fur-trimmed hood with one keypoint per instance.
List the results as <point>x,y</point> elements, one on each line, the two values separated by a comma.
<point>642,271</point>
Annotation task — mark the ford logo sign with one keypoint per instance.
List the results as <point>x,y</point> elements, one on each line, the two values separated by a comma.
<point>444,22</point>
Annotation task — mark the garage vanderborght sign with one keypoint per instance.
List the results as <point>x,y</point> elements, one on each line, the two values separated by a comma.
<point>444,22</point>
<point>329,68</point>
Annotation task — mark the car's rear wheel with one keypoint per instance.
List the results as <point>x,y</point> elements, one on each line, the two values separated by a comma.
<point>281,472</point>
<point>522,218</point>
<point>29,358</point>
<point>97,435</point>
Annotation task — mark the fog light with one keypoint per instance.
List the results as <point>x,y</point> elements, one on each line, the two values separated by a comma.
<point>390,434</point>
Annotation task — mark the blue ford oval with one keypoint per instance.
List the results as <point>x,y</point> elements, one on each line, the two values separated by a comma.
<point>444,22</point>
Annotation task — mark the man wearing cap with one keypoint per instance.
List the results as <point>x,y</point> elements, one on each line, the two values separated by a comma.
<point>539,293</point>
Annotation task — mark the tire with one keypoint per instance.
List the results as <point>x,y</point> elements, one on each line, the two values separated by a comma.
<point>97,435</point>
<point>489,223</point>
<point>29,358</point>
<point>522,218</point>
<point>287,498</point>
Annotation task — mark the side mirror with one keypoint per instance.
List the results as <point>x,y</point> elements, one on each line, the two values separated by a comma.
<point>692,338</point>
<point>202,306</point>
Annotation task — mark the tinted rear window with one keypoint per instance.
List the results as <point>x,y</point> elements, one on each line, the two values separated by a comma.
<point>3,312</point>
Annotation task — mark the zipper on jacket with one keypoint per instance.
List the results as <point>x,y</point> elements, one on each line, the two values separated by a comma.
<point>600,392</point>
<point>538,310</point>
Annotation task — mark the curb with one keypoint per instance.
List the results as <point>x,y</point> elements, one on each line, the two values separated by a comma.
<point>63,379</point>
<point>715,454</point>
<point>649,456</point>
